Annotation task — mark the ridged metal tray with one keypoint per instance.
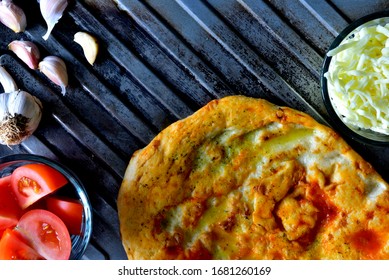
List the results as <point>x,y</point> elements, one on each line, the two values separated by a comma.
<point>161,60</point>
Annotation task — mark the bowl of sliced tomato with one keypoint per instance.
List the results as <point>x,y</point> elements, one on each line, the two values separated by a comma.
<point>45,212</point>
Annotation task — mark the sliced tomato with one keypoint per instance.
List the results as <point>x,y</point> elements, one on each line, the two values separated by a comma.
<point>5,181</point>
<point>1,232</point>
<point>9,207</point>
<point>14,247</point>
<point>69,210</point>
<point>40,204</point>
<point>46,233</point>
<point>33,181</point>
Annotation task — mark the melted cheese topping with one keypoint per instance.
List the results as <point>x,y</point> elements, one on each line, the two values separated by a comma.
<point>245,179</point>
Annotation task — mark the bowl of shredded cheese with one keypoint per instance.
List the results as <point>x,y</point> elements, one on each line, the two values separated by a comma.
<point>355,79</point>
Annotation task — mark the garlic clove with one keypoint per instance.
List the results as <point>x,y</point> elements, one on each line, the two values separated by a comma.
<point>52,11</point>
<point>55,69</point>
<point>27,51</point>
<point>20,115</point>
<point>89,45</point>
<point>12,16</point>
<point>7,81</point>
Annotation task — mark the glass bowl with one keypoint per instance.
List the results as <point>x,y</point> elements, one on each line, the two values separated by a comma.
<point>364,135</point>
<point>74,189</point>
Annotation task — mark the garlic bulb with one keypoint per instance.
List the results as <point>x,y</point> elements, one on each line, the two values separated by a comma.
<point>20,112</point>
<point>52,11</point>
<point>12,16</point>
<point>55,69</point>
<point>27,51</point>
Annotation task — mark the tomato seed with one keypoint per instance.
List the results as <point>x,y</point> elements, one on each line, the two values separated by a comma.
<point>27,187</point>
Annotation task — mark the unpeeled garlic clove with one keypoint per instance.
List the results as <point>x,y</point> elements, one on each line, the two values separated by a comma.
<point>89,45</point>
<point>55,69</point>
<point>27,51</point>
<point>12,16</point>
<point>52,11</point>
<point>6,80</point>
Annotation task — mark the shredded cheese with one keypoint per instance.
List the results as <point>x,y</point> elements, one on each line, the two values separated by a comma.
<point>358,77</point>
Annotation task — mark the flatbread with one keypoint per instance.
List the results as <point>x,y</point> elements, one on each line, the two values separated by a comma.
<point>245,179</point>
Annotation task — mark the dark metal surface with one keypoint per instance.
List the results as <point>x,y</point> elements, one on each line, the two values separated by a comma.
<point>161,60</point>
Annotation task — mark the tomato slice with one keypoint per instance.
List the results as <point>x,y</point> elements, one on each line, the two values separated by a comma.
<point>13,247</point>
<point>9,207</point>
<point>31,182</point>
<point>5,181</point>
<point>46,233</point>
<point>69,210</point>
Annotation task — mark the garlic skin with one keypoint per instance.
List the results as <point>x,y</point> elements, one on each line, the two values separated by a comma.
<point>52,11</point>
<point>89,45</point>
<point>12,16</point>
<point>20,114</point>
<point>7,81</point>
<point>55,69</point>
<point>27,51</point>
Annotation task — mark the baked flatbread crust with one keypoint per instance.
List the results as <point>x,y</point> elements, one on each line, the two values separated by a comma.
<point>245,179</point>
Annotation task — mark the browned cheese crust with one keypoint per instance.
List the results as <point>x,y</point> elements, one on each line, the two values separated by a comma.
<point>245,179</point>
